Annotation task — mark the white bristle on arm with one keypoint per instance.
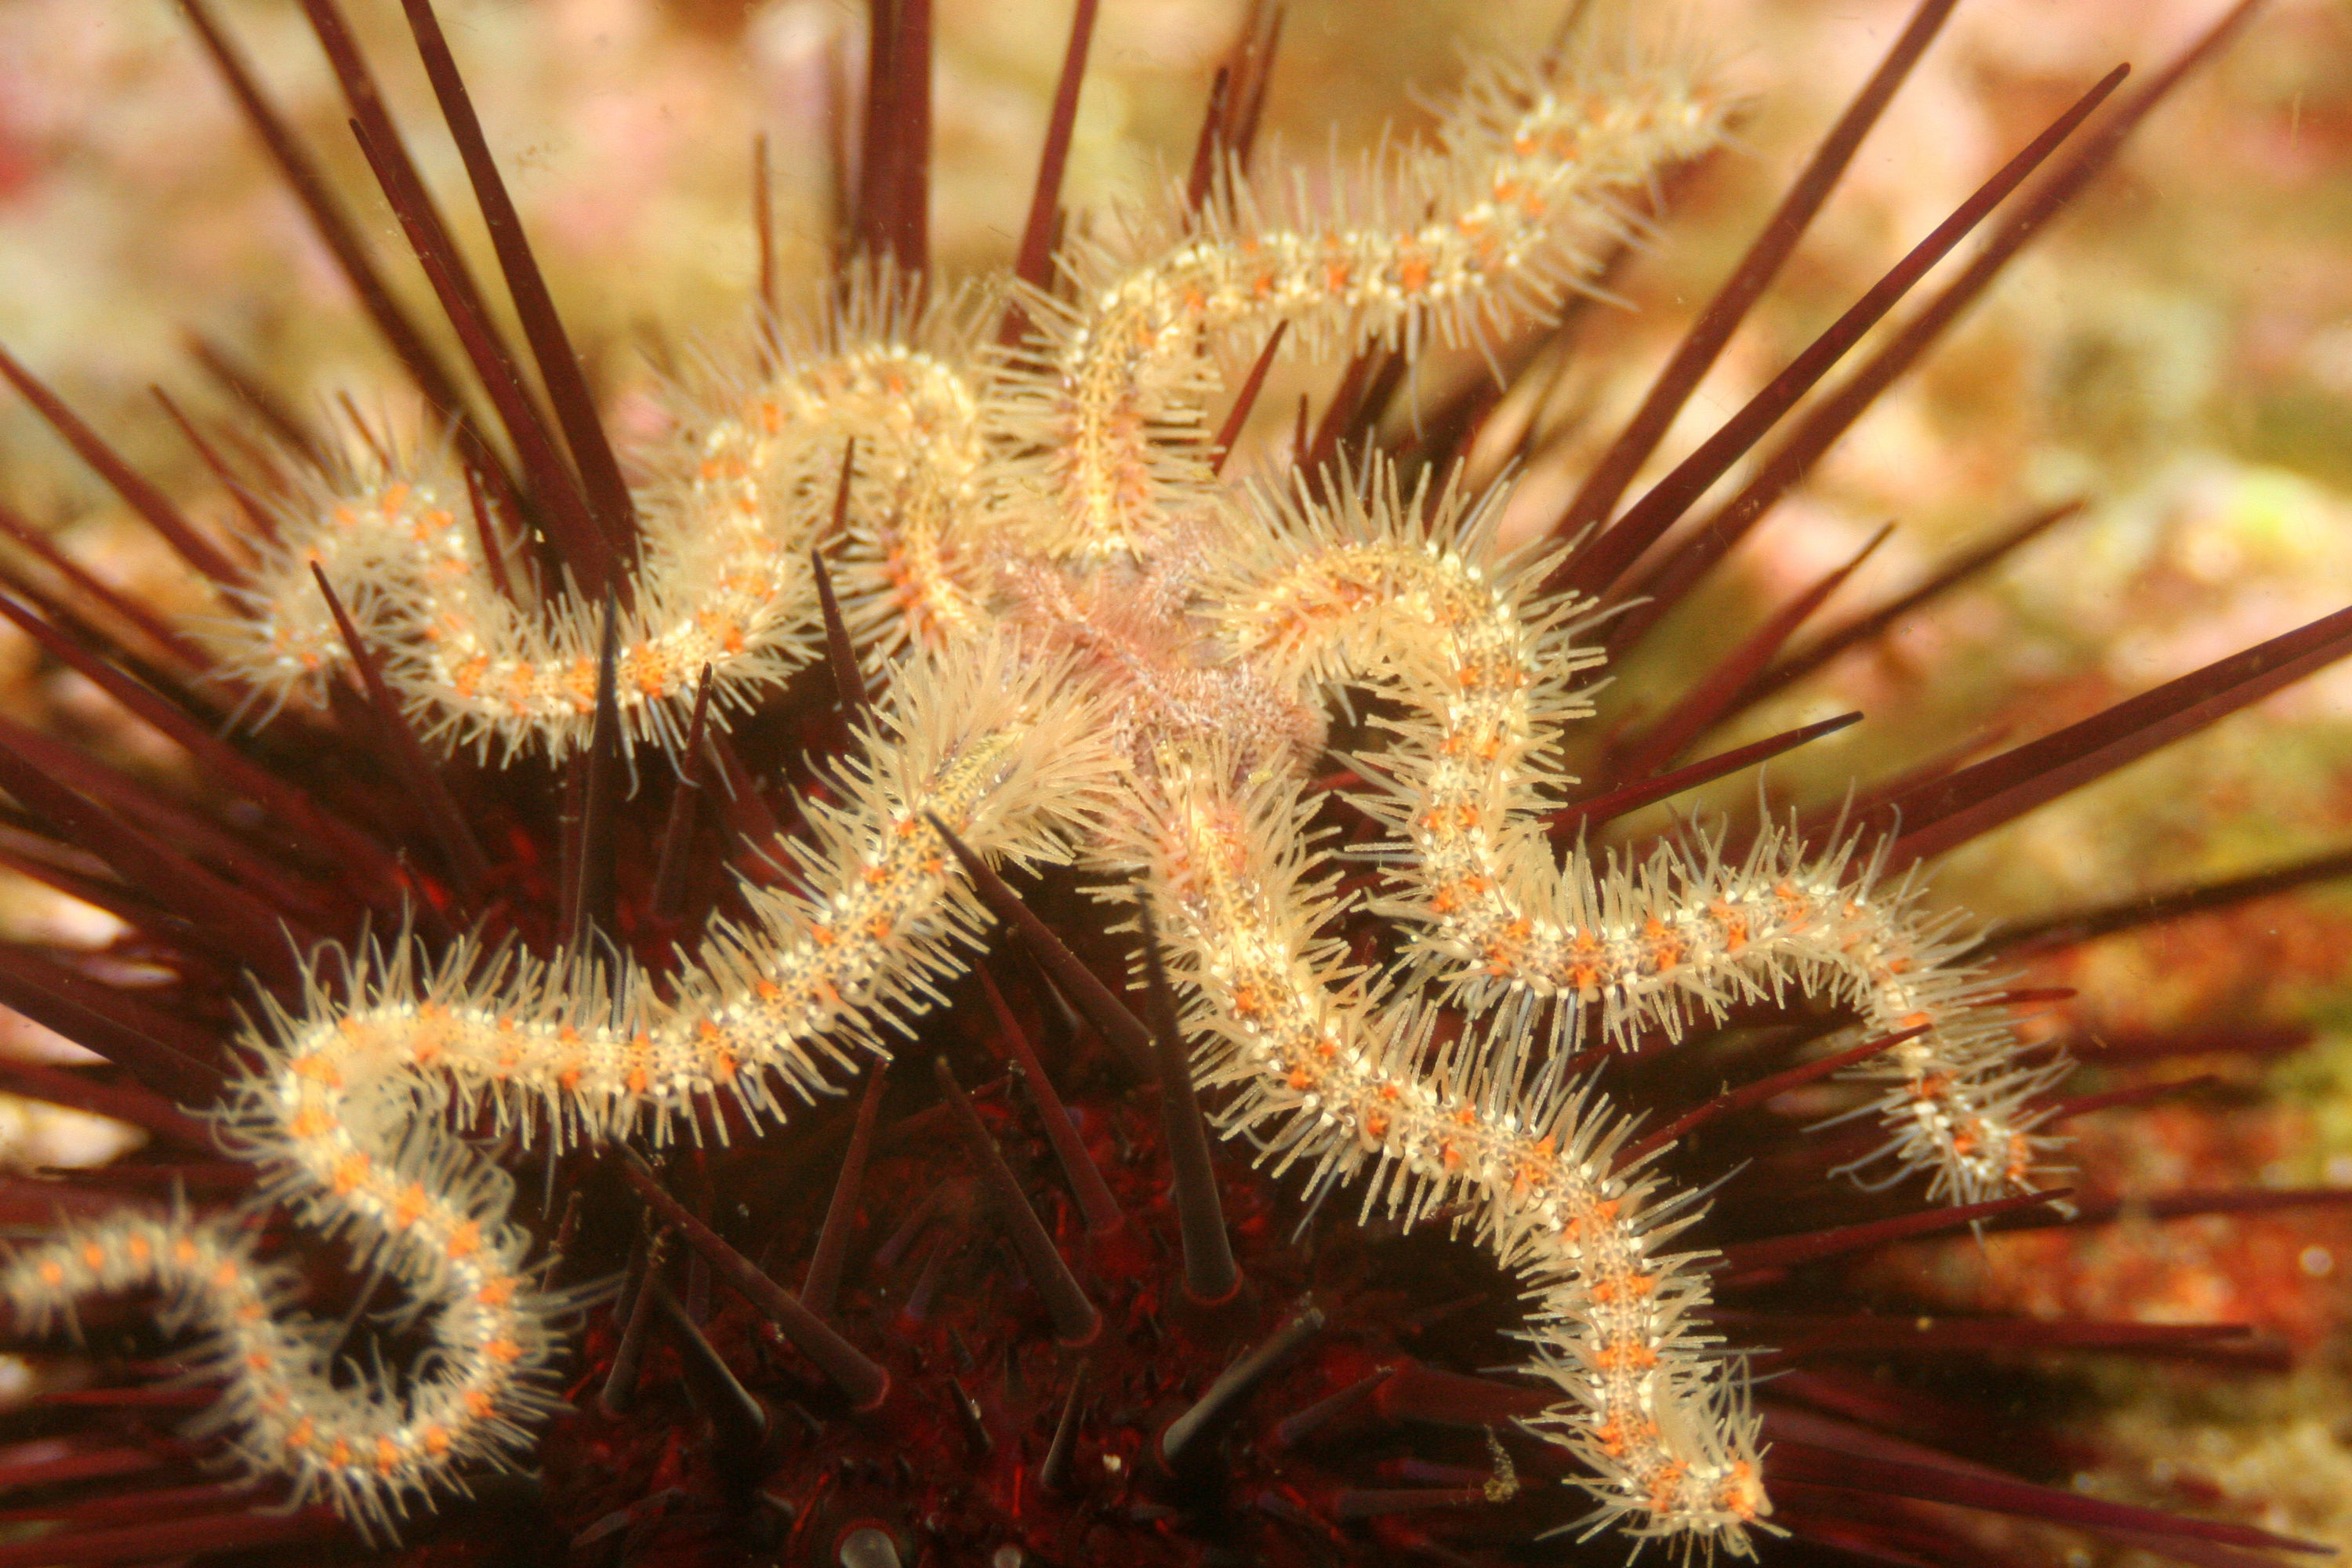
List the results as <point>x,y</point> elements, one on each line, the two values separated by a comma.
<point>1491,228</point>
<point>1485,680</point>
<point>1347,1090</point>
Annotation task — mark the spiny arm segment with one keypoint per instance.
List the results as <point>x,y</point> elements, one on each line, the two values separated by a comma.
<point>911,573</point>
<point>991,747</point>
<point>436,1214</point>
<point>1490,228</point>
<point>725,582</point>
<point>1361,590</point>
<point>347,1113</point>
<point>900,381</point>
<point>1653,1413</point>
<point>475,669</point>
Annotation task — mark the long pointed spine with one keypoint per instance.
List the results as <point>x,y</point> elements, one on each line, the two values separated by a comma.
<point>1033,262</point>
<point>1866,625</point>
<point>1649,517</point>
<point>1940,816</point>
<point>457,840</point>
<point>1077,1322</point>
<point>341,238</point>
<point>2057,931</point>
<point>1721,316</point>
<point>865,1385</point>
<point>550,346</point>
<point>1572,818</point>
<point>1709,702</point>
<point>1085,1178</point>
<point>822,1287</point>
<point>136,490</point>
<point>1836,412</point>
<point>1210,1276</point>
<point>554,488</point>
<point>1083,988</point>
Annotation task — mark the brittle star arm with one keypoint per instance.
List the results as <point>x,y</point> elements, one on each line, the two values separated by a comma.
<point>347,1111</point>
<point>899,383</point>
<point>437,1223</point>
<point>725,580</point>
<point>1485,677</point>
<point>1492,226</point>
<point>1653,1411</point>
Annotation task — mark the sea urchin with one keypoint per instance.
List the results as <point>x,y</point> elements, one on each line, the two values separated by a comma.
<point>533,840</point>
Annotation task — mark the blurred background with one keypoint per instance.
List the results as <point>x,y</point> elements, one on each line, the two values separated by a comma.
<point>2178,352</point>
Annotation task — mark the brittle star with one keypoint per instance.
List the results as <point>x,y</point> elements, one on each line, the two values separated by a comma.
<point>1099,651</point>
